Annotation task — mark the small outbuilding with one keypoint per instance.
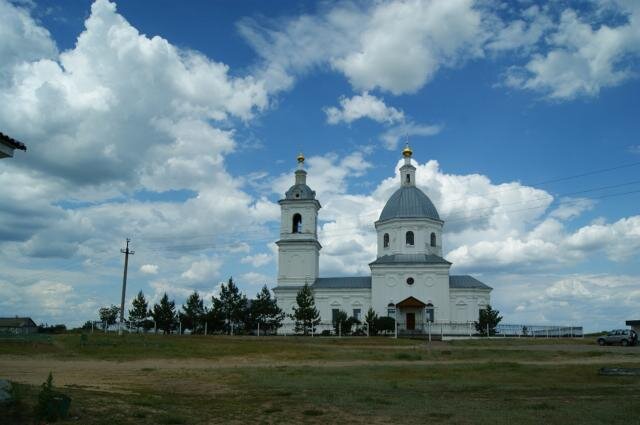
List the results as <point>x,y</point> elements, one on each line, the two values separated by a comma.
<point>8,145</point>
<point>635,325</point>
<point>17,325</point>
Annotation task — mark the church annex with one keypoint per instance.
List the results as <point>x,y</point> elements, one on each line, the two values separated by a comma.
<point>409,278</point>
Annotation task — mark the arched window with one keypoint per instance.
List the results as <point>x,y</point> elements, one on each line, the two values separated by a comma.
<point>429,312</point>
<point>391,310</point>
<point>297,224</point>
<point>433,239</point>
<point>409,238</point>
<point>385,240</point>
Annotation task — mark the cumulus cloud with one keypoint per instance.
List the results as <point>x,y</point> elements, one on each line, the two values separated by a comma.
<point>149,269</point>
<point>392,137</point>
<point>392,46</point>
<point>257,260</point>
<point>582,58</point>
<point>363,106</point>
<point>575,299</point>
<point>21,39</point>
<point>203,270</point>
<point>254,278</point>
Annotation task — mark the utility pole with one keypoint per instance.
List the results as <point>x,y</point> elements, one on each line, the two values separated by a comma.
<point>126,253</point>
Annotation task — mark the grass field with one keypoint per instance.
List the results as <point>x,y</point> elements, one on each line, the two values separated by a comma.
<point>199,380</point>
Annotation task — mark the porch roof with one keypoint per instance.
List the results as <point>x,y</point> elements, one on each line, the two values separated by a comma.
<point>411,302</point>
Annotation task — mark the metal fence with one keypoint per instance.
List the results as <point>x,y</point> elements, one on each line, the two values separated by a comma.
<point>437,330</point>
<point>428,330</point>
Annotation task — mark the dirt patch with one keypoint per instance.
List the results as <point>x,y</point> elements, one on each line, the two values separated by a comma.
<point>118,376</point>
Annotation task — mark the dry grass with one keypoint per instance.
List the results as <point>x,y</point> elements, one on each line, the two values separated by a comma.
<point>201,380</point>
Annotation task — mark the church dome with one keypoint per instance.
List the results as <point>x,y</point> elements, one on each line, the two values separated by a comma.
<point>409,202</point>
<point>300,191</point>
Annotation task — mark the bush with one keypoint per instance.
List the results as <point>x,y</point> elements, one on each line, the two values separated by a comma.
<point>52,405</point>
<point>385,324</point>
<point>325,332</point>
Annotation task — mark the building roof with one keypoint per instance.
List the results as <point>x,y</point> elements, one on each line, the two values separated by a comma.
<point>410,259</point>
<point>633,322</point>
<point>16,322</point>
<point>466,282</point>
<point>299,192</point>
<point>409,202</point>
<point>12,143</point>
<point>354,282</point>
<point>411,302</point>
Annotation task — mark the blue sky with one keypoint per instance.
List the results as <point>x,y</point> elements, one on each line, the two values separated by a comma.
<point>178,126</point>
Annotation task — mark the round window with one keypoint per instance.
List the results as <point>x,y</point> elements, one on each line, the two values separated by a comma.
<point>410,281</point>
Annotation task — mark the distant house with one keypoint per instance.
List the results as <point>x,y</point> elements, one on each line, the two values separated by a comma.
<point>17,325</point>
<point>635,325</point>
<point>8,145</point>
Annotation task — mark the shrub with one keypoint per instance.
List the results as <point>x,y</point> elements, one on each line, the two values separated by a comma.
<point>52,405</point>
<point>385,324</point>
<point>325,332</point>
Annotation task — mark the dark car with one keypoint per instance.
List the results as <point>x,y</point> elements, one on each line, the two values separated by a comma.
<point>623,337</point>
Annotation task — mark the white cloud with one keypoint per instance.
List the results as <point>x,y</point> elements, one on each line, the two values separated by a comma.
<point>21,39</point>
<point>392,137</point>
<point>203,270</point>
<point>149,268</point>
<point>595,301</point>
<point>523,33</point>
<point>257,260</point>
<point>363,106</point>
<point>582,58</point>
<point>394,46</point>
<point>253,278</point>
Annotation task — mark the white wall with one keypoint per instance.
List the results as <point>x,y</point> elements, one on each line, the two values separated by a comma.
<point>431,285</point>
<point>465,304</point>
<point>421,229</point>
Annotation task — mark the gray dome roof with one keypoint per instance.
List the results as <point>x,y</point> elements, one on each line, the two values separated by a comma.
<point>409,202</point>
<point>300,191</point>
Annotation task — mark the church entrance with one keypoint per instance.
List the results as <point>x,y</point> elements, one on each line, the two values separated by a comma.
<point>411,316</point>
<point>411,321</point>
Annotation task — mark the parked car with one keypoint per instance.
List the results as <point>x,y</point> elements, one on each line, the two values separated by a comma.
<point>619,336</point>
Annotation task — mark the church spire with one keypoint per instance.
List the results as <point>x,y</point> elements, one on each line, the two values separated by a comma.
<point>301,174</point>
<point>407,171</point>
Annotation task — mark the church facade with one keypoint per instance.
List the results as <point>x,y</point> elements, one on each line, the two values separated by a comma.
<point>409,278</point>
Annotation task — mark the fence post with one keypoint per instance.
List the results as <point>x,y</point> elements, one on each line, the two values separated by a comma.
<point>441,331</point>
<point>429,331</point>
<point>179,328</point>
<point>313,329</point>
<point>469,328</point>
<point>155,327</point>
<point>395,330</point>
<point>488,331</point>
<point>368,328</point>
<point>205,328</point>
<point>339,329</point>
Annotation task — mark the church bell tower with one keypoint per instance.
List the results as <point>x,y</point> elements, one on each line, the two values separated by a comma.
<point>298,247</point>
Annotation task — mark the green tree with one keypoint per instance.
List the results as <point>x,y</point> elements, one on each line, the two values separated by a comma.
<point>305,313</point>
<point>265,311</point>
<point>231,305</point>
<point>108,315</point>
<point>370,319</point>
<point>488,318</point>
<point>164,314</point>
<point>193,313</point>
<point>385,324</point>
<point>340,323</point>
<point>139,314</point>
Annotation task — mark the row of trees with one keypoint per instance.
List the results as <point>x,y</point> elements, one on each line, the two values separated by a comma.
<point>229,311</point>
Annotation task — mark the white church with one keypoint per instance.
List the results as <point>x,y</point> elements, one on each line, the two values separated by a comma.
<point>409,279</point>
